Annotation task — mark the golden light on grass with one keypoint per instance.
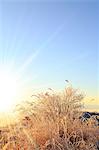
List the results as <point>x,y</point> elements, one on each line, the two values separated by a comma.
<point>50,121</point>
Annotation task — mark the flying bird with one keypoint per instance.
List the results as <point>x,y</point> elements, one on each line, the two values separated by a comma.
<point>67,81</point>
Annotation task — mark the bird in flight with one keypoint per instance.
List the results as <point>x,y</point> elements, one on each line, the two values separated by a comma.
<point>67,81</point>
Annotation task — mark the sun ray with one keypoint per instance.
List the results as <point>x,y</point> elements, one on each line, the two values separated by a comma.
<point>35,54</point>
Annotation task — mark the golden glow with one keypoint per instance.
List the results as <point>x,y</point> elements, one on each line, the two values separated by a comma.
<point>8,90</point>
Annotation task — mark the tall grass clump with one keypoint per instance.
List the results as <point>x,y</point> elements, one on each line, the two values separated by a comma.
<point>53,119</point>
<point>51,122</point>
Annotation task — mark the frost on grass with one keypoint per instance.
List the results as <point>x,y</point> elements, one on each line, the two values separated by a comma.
<point>51,122</point>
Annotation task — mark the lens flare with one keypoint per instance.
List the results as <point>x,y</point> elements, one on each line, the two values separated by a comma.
<point>8,90</point>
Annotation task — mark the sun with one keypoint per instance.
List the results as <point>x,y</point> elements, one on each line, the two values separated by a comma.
<point>8,90</point>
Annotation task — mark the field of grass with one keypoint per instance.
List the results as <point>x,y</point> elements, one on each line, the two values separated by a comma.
<point>51,122</point>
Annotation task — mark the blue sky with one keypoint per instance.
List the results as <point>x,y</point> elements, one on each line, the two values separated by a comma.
<point>51,41</point>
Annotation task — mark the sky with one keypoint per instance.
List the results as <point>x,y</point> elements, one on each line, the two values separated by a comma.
<point>47,42</point>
